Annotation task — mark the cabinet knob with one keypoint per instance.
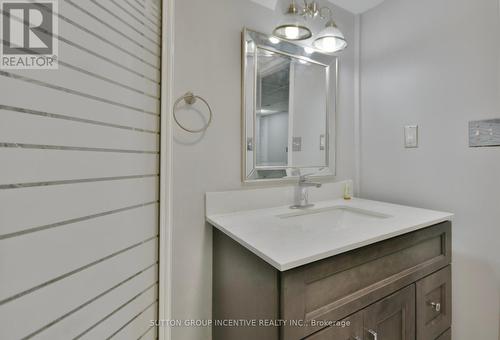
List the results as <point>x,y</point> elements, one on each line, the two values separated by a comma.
<point>436,306</point>
<point>373,333</point>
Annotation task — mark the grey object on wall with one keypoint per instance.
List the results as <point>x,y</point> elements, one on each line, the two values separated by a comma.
<point>297,144</point>
<point>483,133</point>
<point>411,136</point>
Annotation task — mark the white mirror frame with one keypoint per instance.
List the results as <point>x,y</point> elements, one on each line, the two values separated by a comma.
<point>297,51</point>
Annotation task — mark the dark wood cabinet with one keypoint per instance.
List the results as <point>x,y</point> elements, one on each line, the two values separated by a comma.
<point>392,318</point>
<point>396,317</point>
<point>445,336</point>
<point>397,289</point>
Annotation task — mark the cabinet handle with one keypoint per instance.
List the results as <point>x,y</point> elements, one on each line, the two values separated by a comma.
<point>373,333</point>
<point>357,338</point>
<point>436,306</point>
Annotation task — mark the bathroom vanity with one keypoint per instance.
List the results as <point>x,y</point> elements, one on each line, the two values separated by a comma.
<point>341,270</point>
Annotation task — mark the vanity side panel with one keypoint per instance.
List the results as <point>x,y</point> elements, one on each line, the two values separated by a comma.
<point>244,288</point>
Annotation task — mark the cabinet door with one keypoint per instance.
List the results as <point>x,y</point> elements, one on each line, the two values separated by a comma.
<point>352,331</point>
<point>392,318</point>
<point>434,304</point>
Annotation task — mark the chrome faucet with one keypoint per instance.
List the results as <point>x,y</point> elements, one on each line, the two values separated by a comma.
<point>302,193</point>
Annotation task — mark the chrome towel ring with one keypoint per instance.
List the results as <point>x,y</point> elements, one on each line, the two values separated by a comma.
<point>190,98</point>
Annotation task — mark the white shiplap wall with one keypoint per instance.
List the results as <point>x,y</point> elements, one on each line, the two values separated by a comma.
<point>79,178</point>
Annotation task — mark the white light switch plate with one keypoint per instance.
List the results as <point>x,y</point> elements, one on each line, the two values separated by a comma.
<point>411,136</point>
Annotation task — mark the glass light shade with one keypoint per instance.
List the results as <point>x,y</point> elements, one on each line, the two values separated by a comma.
<point>330,39</point>
<point>292,31</point>
<point>293,27</point>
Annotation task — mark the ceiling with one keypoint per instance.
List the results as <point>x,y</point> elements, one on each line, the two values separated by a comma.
<point>354,6</point>
<point>357,6</point>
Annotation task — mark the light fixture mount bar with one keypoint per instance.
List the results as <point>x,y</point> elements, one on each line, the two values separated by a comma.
<point>313,9</point>
<point>293,9</point>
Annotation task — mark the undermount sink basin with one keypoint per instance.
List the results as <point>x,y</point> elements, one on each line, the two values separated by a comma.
<point>340,216</point>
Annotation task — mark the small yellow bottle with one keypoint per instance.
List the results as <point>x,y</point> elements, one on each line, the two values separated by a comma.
<point>347,192</point>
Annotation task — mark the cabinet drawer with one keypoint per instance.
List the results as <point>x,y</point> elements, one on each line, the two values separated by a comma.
<point>434,305</point>
<point>353,330</point>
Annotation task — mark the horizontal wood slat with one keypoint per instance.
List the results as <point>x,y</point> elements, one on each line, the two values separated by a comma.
<point>81,287</point>
<point>37,167</point>
<point>136,20</point>
<point>91,88</point>
<point>151,334</point>
<point>26,271</point>
<point>142,13</point>
<point>87,14</point>
<point>121,316</point>
<point>45,100</point>
<point>139,325</point>
<point>83,38</point>
<point>109,69</point>
<point>86,61</point>
<point>18,127</point>
<point>58,203</point>
<point>98,309</point>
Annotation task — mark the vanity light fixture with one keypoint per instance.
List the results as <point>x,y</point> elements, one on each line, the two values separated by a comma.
<point>329,40</point>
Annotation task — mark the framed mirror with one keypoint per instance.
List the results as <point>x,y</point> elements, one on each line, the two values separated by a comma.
<point>288,109</point>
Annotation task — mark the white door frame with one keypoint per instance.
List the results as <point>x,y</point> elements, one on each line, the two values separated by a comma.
<point>166,139</point>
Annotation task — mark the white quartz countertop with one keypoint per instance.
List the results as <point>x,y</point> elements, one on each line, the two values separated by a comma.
<point>287,243</point>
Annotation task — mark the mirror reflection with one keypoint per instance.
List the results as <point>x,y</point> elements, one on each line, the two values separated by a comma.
<point>291,111</point>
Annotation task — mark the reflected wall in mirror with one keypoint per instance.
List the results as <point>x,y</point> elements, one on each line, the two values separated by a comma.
<point>288,111</point>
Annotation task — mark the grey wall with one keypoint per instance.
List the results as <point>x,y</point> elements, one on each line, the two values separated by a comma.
<point>208,61</point>
<point>435,64</point>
